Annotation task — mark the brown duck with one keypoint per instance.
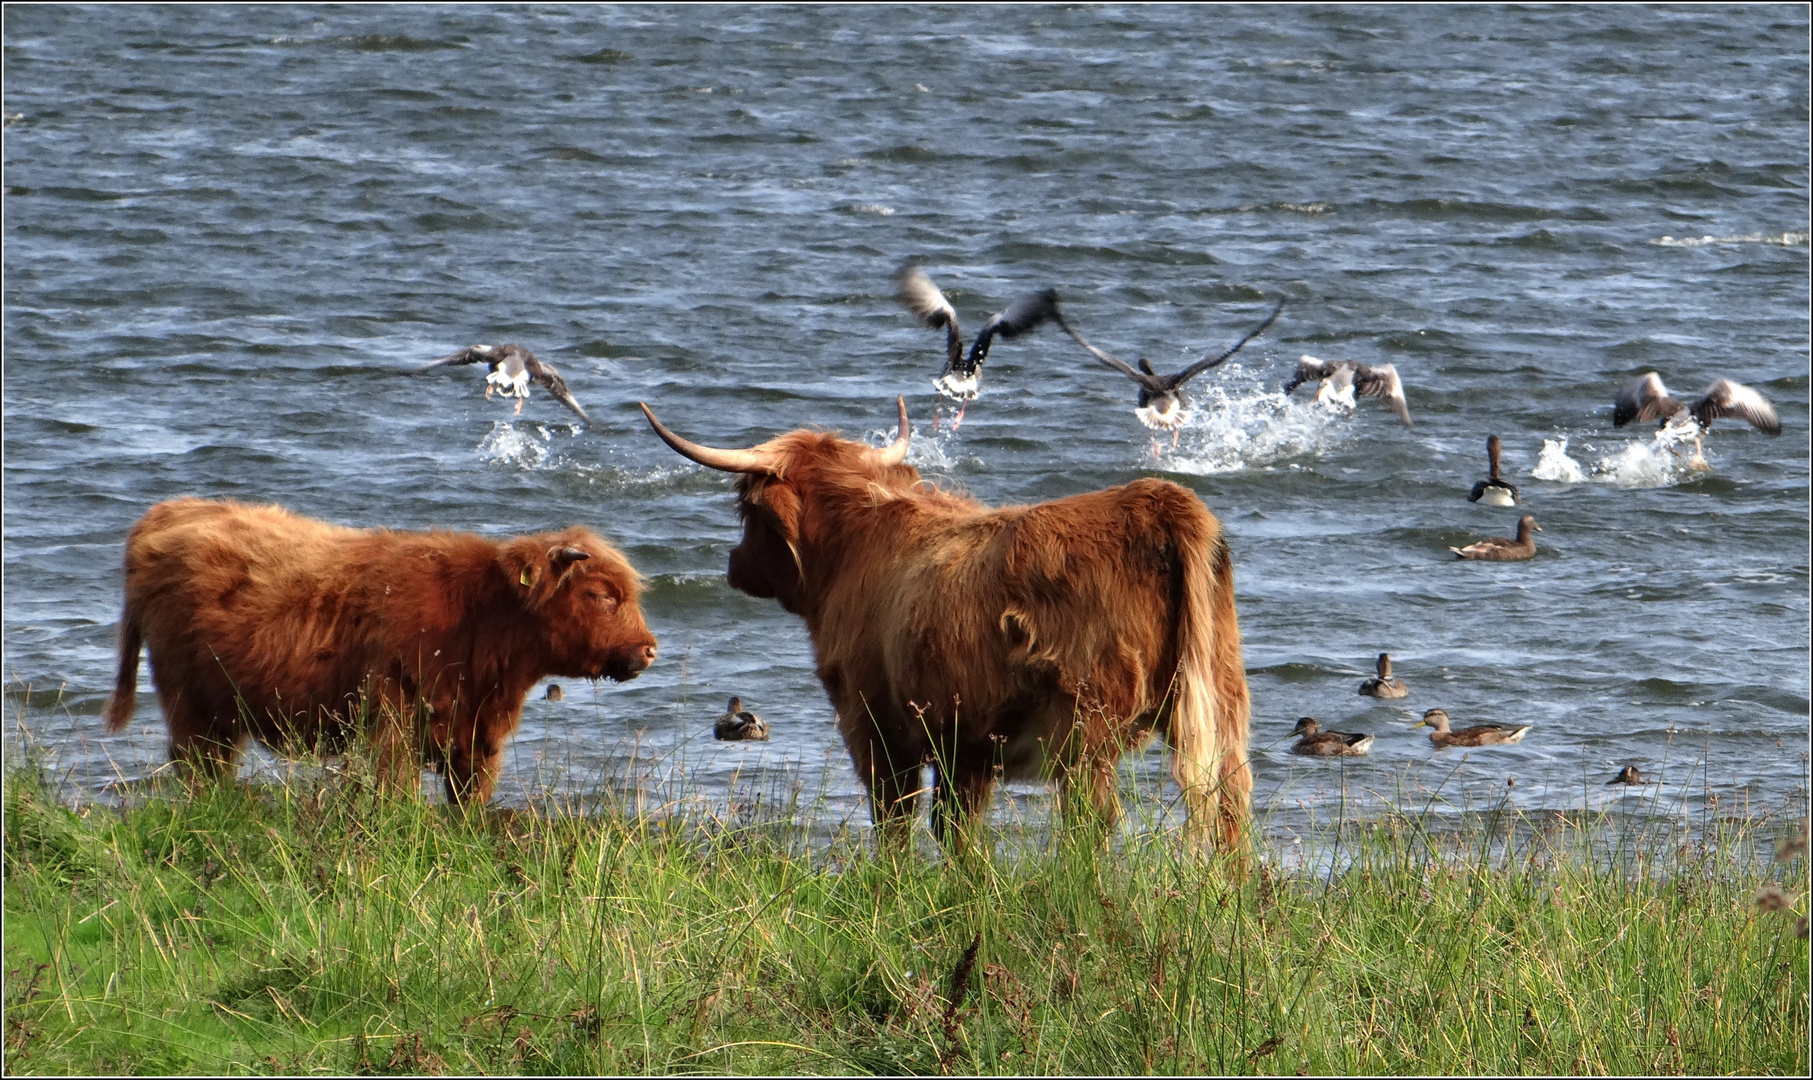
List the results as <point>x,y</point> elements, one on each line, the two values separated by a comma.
<point>1384,686</point>
<point>1318,743</point>
<point>1500,549</point>
<point>1479,735</point>
<point>739,725</point>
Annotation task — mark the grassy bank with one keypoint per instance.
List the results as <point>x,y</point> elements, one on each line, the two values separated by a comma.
<point>316,927</point>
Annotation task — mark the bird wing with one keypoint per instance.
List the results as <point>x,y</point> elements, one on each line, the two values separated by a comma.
<point>544,374</point>
<point>1382,382</point>
<point>1309,369</point>
<point>1727,398</point>
<point>471,354</point>
<point>929,306</point>
<point>1025,313</point>
<point>1640,399</point>
<point>1111,360</point>
<point>1208,362</point>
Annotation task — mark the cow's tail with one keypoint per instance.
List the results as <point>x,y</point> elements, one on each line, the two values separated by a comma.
<point>1208,725</point>
<point>125,684</point>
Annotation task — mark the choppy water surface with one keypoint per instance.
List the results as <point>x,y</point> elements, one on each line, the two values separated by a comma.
<point>227,231</point>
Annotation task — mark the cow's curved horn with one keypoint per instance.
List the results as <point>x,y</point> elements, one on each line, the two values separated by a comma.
<point>895,452</point>
<point>740,461</point>
<point>562,557</point>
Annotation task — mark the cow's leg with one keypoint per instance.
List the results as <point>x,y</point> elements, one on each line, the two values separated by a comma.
<point>204,748</point>
<point>893,779</point>
<point>394,760</point>
<point>961,798</point>
<point>471,769</point>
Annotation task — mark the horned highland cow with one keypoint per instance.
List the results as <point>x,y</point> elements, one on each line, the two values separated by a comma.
<point>265,623</point>
<point>998,642</point>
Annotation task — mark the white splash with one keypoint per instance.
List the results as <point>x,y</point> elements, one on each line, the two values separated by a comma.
<point>1668,457</point>
<point>1781,239</point>
<point>927,450</point>
<point>1236,422</point>
<point>873,208</point>
<point>1554,464</point>
<point>527,448</point>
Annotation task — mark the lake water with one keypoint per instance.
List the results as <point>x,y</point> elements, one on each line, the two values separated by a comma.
<point>228,231</point>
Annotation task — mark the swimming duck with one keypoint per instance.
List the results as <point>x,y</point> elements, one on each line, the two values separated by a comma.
<point>738,725</point>
<point>1628,775</point>
<point>1338,380</point>
<point>512,369</point>
<point>1318,743</point>
<point>555,693</point>
<point>1500,549</point>
<point>1479,735</point>
<point>961,379</point>
<point>1492,491</point>
<point>1384,686</point>
<point>1162,406</point>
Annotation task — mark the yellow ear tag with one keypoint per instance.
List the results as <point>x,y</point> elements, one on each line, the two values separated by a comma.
<point>525,578</point>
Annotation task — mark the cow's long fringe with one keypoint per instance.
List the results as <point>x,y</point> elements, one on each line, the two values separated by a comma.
<point>125,684</point>
<point>1208,722</point>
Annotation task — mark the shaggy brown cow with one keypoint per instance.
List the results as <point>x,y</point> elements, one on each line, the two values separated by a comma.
<point>996,642</point>
<point>262,622</point>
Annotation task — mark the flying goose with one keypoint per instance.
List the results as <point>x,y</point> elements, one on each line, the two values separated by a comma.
<point>1384,686</point>
<point>961,379</point>
<point>1162,406</point>
<point>1479,735</point>
<point>1492,491</point>
<point>1318,743</point>
<point>512,369</point>
<point>1645,398</point>
<point>740,725</point>
<point>1499,549</point>
<point>1338,380</point>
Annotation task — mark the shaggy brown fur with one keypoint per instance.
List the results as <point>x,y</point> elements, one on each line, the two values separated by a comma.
<point>262,622</point>
<point>1000,642</point>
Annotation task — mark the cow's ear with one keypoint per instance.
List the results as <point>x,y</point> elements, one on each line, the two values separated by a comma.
<point>524,566</point>
<point>783,505</point>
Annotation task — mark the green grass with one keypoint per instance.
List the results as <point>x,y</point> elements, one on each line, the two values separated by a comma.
<point>315,926</point>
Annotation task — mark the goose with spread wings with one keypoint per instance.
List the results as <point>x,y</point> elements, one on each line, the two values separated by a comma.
<point>513,368</point>
<point>1645,398</point>
<point>1337,381</point>
<point>961,379</point>
<point>1162,406</point>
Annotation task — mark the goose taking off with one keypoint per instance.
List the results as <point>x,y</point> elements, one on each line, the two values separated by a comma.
<point>1337,381</point>
<point>1480,735</point>
<point>961,379</point>
<point>1500,549</point>
<point>513,368</point>
<point>1318,743</point>
<point>1645,398</point>
<point>1492,491</point>
<point>1162,406</point>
